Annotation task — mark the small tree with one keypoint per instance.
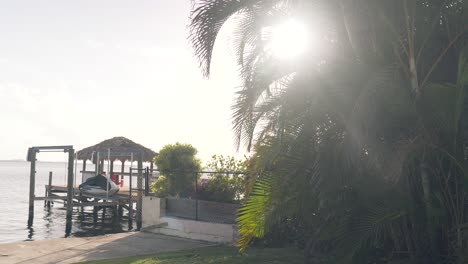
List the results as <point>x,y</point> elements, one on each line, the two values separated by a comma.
<point>177,162</point>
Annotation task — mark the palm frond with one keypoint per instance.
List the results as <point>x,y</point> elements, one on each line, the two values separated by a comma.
<point>253,213</point>
<point>207,18</point>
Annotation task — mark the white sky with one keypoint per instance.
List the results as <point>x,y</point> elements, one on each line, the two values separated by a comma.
<point>76,72</point>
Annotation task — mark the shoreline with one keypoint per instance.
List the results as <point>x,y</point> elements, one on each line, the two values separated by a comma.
<point>78,249</point>
<point>60,238</point>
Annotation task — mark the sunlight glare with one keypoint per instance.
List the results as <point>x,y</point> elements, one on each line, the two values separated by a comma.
<point>289,39</point>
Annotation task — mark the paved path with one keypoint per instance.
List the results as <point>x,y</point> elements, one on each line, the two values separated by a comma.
<point>77,249</point>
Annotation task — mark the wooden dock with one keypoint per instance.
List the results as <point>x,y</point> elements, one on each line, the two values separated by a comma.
<point>129,198</point>
<point>121,198</point>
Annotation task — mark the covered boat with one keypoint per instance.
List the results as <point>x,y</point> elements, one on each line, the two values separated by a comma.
<point>96,186</point>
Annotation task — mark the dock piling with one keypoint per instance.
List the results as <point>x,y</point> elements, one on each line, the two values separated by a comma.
<point>71,157</point>
<point>139,192</point>
<point>95,213</point>
<point>47,202</point>
<point>32,184</point>
<point>130,200</point>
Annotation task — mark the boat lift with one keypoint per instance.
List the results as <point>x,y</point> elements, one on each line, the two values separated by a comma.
<point>32,152</point>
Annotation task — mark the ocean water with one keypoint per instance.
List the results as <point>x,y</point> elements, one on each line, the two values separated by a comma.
<point>48,223</point>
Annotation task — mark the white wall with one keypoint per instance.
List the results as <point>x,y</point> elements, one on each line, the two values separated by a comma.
<point>151,211</point>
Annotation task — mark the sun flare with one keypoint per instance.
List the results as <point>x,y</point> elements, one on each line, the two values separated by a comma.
<point>289,39</point>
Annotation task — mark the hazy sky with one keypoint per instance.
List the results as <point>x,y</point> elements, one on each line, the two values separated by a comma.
<point>81,71</point>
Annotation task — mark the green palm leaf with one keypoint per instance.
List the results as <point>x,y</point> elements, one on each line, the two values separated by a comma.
<point>252,215</point>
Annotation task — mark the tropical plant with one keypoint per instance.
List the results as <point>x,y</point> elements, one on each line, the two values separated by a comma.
<point>363,143</point>
<point>178,163</point>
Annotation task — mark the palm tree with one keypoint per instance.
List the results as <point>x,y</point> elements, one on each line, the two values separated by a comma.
<point>366,149</point>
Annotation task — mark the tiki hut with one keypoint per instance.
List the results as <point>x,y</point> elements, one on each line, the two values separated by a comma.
<point>117,148</point>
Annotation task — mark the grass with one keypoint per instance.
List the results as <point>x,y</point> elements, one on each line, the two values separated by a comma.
<point>218,254</point>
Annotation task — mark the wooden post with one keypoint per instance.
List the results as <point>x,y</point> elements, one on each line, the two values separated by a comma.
<point>196,196</point>
<point>84,165</point>
<point>147,177</point>
<point>32,184</point>
<point>122,170</point>
<point>104,213</point>
<point>111,171</point>
<point>71,156</point>
<point>151,171</point>
<point>120,211</point>
<point>49,189</point>
<point>95,213</point>
<point>115,214</point>
<point>81,200</point>
<point>83,173</point>
<point>101,166</point>
<point>130,204</point>
<point>96,164</point>
<point>140,193</point>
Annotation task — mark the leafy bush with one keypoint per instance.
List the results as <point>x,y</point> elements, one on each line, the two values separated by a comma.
<point>226,185</point>
<point>160,187</point>
<point>218,189</point>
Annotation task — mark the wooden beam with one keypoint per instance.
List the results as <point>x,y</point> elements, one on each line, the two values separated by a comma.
<point>96,204</point>
<point>121,173</point>
<point>64,148</point>
<point>50,198</point>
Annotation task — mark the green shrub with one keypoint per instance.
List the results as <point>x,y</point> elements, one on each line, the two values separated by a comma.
<point>160,187</point>
<point>218,189</point>
<point>224,185</point>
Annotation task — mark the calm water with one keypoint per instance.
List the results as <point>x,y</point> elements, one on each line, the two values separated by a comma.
<point>48,223</point>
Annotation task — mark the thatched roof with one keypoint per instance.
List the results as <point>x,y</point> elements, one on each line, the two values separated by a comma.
<point>121,148</point>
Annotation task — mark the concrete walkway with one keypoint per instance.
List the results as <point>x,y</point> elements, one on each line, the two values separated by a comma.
<point>77,249</point>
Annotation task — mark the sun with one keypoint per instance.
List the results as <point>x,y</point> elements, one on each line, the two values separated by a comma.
<point>289,39</point>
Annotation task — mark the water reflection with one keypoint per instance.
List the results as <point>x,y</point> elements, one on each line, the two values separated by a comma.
<point>30,233</point>
<point>85,222</point>
<point>48,222</point>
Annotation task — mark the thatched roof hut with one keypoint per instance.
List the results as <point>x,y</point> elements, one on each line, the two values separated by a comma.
<point>121,148</point>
